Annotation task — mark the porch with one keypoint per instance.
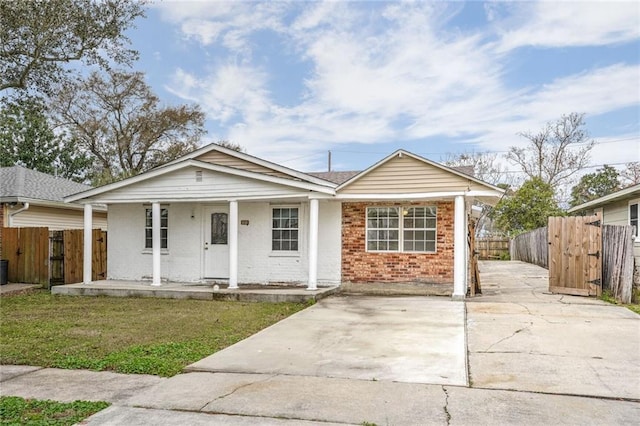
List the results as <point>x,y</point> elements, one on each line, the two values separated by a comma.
<point>201,291</point>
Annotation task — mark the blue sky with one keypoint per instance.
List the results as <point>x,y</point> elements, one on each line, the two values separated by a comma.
<point>291,80</point>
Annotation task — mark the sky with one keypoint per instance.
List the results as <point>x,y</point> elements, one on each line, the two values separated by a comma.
<point>290,81</point>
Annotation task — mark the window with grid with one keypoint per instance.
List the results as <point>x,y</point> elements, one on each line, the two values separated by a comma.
<point>419,229</point>
<point>284,229</point>
<point>633,218</point>
<point>402,229</point>
<point>148,228</point>
<point>383,228</point>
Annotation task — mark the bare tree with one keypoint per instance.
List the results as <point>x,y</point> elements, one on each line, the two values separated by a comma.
<point>631,174</point>
<point>555,153</point>
<point>485,167</point>
<point>231,145</point>
<point>121,123</point>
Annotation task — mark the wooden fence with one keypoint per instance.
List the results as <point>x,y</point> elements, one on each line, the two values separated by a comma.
<point>618,261</point>
<point>532,247</point>
<point>617,256</point>
<point>38,256</point>
<point>492,248</point>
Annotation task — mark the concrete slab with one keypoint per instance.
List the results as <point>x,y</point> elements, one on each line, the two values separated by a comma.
<point>298,397</point>
<point>130,416</point>
<point>8,372</point>
<point>13,288</point>
<point>525,340</point>
<point>71,385</point>
<point>405,339</point>
<point>483,407</point>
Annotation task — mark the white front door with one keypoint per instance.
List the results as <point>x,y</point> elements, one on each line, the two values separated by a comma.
<point>216,241</point>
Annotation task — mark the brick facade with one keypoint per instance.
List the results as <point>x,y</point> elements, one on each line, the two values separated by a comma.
<point>360,266</point>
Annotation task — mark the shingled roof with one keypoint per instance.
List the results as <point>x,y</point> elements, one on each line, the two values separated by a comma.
<point>18,183</point>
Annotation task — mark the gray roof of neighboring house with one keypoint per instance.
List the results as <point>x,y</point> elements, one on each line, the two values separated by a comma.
<point>341,177</point>
<point>335,177</point>
<point>18,182</point>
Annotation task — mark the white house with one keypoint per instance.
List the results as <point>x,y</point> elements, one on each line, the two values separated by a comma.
<point>218,214</point>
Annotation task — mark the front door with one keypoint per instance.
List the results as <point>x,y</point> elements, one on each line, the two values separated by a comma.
<point>216,242</point>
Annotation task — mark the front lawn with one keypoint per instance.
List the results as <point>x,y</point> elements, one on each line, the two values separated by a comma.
<point>19,411</point>
<point>126,335</point>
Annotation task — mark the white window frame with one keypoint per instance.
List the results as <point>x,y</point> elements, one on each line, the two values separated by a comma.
<point>298,229</point>
<point>401,229</point>
<point>147,210</point>
<point>637,225</point>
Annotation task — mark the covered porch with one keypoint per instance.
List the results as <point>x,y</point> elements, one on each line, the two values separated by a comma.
<point>205,291</point>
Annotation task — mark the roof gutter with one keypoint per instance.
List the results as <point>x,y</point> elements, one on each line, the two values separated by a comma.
<point>25,206</point>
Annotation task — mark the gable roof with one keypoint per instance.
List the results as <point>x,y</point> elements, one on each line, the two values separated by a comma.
<point>630,192</point>
<point>174,166</point>
<point>294,174</point>
<point>20,184</point>
<point>401,152</point>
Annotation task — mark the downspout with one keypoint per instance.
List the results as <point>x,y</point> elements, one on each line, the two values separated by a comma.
<point>25,206</point>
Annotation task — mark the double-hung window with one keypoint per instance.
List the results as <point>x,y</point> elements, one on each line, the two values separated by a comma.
<point>401,229</point>
<point>148,228</point>
<point>634,206</point>
<point>284,229</point>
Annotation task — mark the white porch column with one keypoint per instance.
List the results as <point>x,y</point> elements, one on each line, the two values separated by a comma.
<point>88,239</point>
<point>459,249</point>
<point>156,244</point>
<point>313,244</point>
<point>233,244</point>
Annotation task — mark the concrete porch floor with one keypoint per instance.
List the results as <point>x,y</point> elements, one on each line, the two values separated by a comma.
<point>175,290</point>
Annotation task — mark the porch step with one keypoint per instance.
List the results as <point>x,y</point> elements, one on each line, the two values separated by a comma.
<point>172,291</point>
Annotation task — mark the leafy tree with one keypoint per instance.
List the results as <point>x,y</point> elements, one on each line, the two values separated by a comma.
<point>39,38</point>
<point>27,139</point>
<point>119,120</point>
<point>555,153</point>
<point>527,209</point>
<point>595,185</point>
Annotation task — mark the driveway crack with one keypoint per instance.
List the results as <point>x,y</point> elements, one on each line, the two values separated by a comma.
<point>236,389</point>
<point>446,405</point>
<point>508,337</point>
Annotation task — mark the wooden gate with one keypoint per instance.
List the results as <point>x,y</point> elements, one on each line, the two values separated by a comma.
<point>27,250</point>
<point>74,255</point>
<point>575,255</point>
<point>39,257</point>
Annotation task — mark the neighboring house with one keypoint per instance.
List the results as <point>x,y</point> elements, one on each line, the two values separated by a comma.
<point>30,198</point>
<point>620,208</point>
<point>218,214</point>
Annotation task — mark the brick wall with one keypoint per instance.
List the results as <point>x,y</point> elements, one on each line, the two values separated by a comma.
<point>360,266</point>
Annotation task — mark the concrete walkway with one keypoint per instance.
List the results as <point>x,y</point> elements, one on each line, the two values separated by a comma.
<point>534,358</point>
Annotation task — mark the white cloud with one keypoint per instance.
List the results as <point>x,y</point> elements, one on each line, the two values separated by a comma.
<point>566,23</point>
<point>396,73</point>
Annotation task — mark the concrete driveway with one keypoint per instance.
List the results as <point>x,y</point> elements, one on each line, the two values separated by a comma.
<point>400,339</point>
<point>522,338</point>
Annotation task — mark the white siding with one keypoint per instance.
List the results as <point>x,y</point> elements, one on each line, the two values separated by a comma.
<point>127,259</point>
<point>182,185</point>
<point>55,218</point>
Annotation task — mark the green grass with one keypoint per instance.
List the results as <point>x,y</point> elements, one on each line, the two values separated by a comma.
<point>126,335</point>
<point>608,297</point>
<point>19,411</point>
